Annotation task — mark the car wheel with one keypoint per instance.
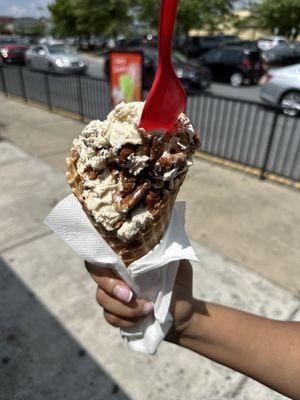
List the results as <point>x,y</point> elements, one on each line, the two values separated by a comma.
<point>236,79</point>
<point>290,103</point>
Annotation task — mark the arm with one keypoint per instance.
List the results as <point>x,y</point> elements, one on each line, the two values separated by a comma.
<point>264,349</point>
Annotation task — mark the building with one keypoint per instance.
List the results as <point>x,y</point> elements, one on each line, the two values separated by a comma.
<point>239,25</point>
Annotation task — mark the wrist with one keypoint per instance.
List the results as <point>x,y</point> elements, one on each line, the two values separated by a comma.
<point>183,328</point>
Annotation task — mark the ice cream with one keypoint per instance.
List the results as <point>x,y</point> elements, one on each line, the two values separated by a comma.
<point>123,174</point>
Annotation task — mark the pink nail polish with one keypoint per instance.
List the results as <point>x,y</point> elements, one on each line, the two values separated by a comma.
<point>148,307</point>
<point>122,293</point>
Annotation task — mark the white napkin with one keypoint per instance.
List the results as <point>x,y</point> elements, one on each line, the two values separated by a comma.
<point>151,277</point>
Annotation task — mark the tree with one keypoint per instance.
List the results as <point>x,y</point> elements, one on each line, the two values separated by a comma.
<point>64,17</point>
<point>2,27</point>
<point>192,14</point>
<point>282,16</point>
<point>87,17</point>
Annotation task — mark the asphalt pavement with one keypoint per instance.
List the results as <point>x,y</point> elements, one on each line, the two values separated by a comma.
<point>56,344</point>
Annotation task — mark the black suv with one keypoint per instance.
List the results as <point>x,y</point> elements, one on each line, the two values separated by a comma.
<point>236,65</point>
<point>194,46</point>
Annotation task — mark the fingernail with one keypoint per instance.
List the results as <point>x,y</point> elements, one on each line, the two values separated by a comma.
<point>148,307</point>
<point>123,293</point>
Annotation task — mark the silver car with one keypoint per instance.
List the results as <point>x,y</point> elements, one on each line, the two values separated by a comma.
<point>55,58</point>
<point>269,42</point>
<point>282,88</point>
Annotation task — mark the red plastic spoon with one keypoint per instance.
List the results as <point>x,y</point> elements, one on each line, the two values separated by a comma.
<point>166,99</point>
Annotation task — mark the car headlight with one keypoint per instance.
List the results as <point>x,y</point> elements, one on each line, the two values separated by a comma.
<point>4,53</point>
<point>179,72</point>
<point>62,62</point>
<point>81,64</point>
<point>191,74</point>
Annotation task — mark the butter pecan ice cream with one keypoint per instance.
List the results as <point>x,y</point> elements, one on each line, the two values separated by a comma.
<point>126,172</point>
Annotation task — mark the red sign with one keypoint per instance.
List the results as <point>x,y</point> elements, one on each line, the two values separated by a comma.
<point>125,76</point>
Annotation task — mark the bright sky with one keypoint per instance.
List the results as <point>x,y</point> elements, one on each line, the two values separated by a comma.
<point>24,8</point>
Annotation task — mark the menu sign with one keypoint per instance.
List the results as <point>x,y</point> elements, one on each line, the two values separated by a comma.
<point>126,71</point>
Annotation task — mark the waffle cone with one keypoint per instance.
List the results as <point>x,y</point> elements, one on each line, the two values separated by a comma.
<point>145,240</point>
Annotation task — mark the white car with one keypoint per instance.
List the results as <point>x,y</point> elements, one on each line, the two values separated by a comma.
<point>269,42</point>
<point>282,88</point>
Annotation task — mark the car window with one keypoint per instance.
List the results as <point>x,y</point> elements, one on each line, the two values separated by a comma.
<point>213,56</point>
<point>231,56</point>
<point>8,41</point>
<point>59,49</point>
<point>37,49</point>
<point>179,57</point>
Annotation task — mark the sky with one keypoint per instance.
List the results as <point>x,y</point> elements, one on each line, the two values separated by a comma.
<point>24,8</point>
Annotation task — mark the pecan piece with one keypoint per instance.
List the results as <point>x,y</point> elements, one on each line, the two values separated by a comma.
<point>153,198</point>
<point>125,152</point>
<point>127,183</point>
<point>133,198</point>
<point>91,173</point>
<point>172,161</point>
<point>156,149</point>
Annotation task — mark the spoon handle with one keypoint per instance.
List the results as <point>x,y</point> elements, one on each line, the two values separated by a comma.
<point>168,10</point>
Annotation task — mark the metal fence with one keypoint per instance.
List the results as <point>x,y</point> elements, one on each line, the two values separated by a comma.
<point>241,131</point>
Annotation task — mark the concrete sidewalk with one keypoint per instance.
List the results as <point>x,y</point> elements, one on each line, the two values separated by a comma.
<point>254,223</point>
<point>56,343</point>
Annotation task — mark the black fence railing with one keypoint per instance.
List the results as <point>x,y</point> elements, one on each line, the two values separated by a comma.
<point>238,130</point>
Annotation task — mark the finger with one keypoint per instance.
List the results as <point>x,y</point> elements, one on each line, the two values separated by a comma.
<point>109,282</point>
<point>118,322</point>
<point>137,307</point>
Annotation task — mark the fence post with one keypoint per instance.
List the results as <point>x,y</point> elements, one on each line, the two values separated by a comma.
<point>80,97</point>
<point>269,145</point>
<point>21,75</point>
<point>48,93</point>
<point>3,81</point>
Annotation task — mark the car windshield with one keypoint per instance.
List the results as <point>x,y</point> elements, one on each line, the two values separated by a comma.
<point>59,49</point>
<point>8,41</point>
<point>179,57</point>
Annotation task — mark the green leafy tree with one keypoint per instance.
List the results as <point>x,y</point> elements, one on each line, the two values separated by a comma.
<point>192,14</point>
<point>64,17</point>
<point>109,17</point>
<point>86,17</point>
<point>2,27</point>
<point>283,16</point>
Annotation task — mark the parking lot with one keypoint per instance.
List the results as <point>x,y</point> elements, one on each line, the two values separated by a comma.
<point>251,92</point>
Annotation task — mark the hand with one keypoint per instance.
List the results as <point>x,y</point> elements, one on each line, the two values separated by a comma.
<point>120,308</point>
<point>123,310</point>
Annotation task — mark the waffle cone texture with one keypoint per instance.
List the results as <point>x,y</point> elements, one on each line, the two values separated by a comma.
<point>144,240</point>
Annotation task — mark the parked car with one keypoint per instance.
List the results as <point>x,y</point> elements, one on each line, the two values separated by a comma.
<point>269,42</point>
<point>246,44</point>
<point>192,75</point>
<point>236,65</point>
<point>12,51</point>
<point>56,58</point>
<point>282,55</point>
<point>283,89</point>
<point>194,46</point>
